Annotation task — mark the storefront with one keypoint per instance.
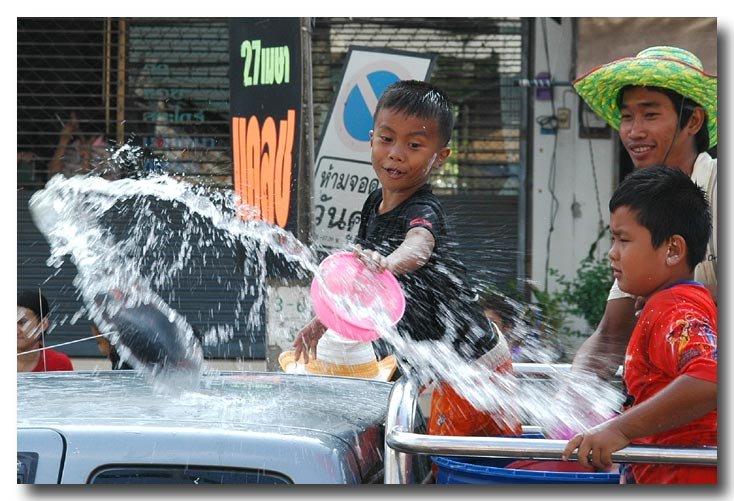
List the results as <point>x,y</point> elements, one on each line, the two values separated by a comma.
<point>163,85</point>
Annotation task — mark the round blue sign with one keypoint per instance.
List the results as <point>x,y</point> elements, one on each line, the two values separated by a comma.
<point>357,114</point>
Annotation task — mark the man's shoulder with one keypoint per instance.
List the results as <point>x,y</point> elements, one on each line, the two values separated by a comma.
<point>704,169</point>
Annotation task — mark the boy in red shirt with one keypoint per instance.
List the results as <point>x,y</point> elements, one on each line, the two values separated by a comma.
<point>660,223</point>
<point>32,324</point>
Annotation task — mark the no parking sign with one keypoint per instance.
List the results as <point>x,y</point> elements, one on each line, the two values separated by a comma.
<point>343,175</point>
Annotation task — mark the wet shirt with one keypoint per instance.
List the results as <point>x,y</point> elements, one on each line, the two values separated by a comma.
<point>440,302</point>
<point>675,335</point>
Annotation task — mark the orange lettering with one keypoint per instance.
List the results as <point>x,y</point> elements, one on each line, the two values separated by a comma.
<point>236,156</point>
<point>263,166</point>
<point>284,173</point>
<point>252,156</point>
<point>269,141</point>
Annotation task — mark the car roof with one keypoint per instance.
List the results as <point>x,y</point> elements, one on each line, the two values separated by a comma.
<point>232,400</point>
<point>277,408</point>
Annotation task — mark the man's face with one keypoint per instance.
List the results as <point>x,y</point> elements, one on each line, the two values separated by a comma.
<point>638,266</point>
<point>29,329</point>
<point>648,126</point>
<point>404,149</point>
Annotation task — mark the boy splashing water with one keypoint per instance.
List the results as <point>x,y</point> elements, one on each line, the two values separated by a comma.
<point>403,229</point>
<point>660,223</point>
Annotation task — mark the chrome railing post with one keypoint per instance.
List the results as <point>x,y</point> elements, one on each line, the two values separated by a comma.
<point>401,414</point>
<point>528,448</point>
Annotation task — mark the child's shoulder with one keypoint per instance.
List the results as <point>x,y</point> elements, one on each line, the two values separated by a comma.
<point>425,196</point>
<point>687,291</point>
<point>373,197</point>
<point>683,299</point>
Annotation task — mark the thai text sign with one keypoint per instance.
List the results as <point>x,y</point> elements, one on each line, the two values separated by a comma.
<point>343,175</point>
<point>265,109</point>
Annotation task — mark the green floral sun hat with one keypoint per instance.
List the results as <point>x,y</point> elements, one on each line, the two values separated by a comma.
<point>667,67</point>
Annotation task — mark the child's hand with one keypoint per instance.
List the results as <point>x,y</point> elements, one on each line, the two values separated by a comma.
<point>307,339</point>
<point>601,441</point>
<point>372,259</point>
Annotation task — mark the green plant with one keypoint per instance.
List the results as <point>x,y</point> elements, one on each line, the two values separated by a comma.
<point>586,294</point>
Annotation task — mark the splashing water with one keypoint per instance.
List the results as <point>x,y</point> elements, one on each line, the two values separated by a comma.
<point>117,280</point>
<point>117,296</point>
<point>561,402</point>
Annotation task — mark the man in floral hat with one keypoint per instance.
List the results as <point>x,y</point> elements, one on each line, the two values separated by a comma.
<point>665,108</point>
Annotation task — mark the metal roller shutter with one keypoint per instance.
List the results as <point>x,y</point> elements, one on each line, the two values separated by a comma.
<point>172,99</point>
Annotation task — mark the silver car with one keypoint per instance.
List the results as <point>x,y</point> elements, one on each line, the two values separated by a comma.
<point>236,427</point>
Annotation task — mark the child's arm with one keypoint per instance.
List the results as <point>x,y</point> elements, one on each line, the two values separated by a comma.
<point>413,253</point>
<point>682,401</point>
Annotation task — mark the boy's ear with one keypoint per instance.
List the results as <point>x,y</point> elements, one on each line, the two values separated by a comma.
<point>443,154</point>
<point>677,251</point>
<point>372,133</point>
<point>44,324</point>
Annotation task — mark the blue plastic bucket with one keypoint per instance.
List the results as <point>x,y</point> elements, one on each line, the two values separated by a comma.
<point>477,470</point>
<point>470,470</point>
<point>499,462</point>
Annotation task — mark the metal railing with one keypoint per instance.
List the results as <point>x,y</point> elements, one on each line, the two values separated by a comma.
<point>531,369</point>
<point>401,442</point>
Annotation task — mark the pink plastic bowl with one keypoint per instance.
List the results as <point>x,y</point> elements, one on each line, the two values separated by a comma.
<point>345,276</point>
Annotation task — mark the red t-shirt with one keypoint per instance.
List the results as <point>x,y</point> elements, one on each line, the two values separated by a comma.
<point>54,361</point>
<point>675,335</point>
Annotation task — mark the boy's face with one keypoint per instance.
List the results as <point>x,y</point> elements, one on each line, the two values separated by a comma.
<point>29,329</point>
<point>648,126</point>
<point>404,149</point>
<point>639,267</point>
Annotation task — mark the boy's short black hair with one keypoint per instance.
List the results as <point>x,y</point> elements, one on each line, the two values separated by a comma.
<point>420,99</point>
<point>684,107</point>
<point>34,301</point>
<point>491,300</point>
<point>667,202</point>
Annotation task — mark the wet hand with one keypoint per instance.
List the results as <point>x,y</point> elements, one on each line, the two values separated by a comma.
<point>372,259</point>
<point>307,339</point>
<point>595,446</point>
